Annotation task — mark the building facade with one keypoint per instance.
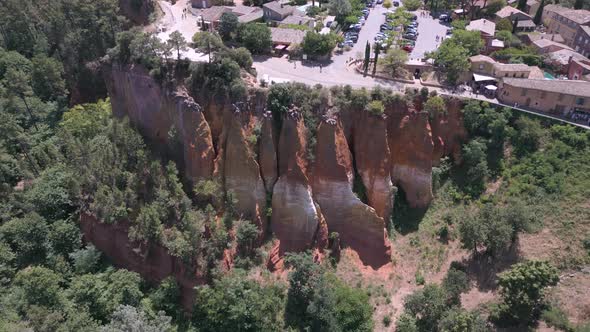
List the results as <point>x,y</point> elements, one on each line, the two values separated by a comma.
<point>565,21</point>
<point>582,41</point>
<point>560,97</point>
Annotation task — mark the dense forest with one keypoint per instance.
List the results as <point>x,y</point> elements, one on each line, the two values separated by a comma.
<point>63,154</point>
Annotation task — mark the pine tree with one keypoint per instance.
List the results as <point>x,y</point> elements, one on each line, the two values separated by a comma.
<point>578,4</point>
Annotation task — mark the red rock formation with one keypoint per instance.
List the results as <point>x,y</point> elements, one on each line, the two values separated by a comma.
<point>296,221</point>
<point>157,114</point>
<point>267,154</point>
<point>448,132</point>
<point>411,146</point>
<point>357,224</point>
<point>158,264</point>
<point>241,172</point>
<point>372,161</point>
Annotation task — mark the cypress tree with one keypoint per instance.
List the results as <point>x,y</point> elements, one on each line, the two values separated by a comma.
<point>578,4</point>
<point>376,47</point>
<point>367,57</point>
<point>539,13</point>
<point>521,5</point>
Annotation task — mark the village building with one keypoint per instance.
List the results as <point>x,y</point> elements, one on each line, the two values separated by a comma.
<point>579,69</point>
<point>276,12</point>
<point>548,46</point>
<point>487,30</point>
<point>284,39</point>
<point>582,41</point>
<point>531,7</point>
<point>555,96</point>
<point>211,17</point>
<point>565,21</point>
<point>529,38</point>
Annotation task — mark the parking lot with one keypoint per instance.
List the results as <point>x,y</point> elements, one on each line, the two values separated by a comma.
<point>428,29</point>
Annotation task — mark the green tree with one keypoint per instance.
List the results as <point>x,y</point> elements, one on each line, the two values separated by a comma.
<point>47,78</point>
<point>148,225</point>
<point>504,25</point>
<point>128,318</point>
<point>177,42</point>
<point>393,61</point>
<point>377,50</point>
<point>27,238</point>
<point>85,260</point>
<point>435,106</point>
<point>470,40</point>
<point>242,57</point>
<point>64,237</point>
<point>578,4</point>
<point>521,5</point>
<point>246,235</point>
<point>460,320</point>
<point>522,289</point>
<point>17,83</point>
<point>427,306</point>
<point>228,26</point>
<point>412,5</point>
<point>494,6</point>
<point>340,8</point>
<point>52,193</point>
<point>317,45</point>
<point>452,60</point>
<point>528,134</point>
<point>166,297</point>
<point>236,303</point>
<point>375,107</point>
<point>40,286</point>
<point>455,283</point>
<point>367,58</point>
<point>256,38</point>
<point>406,323</point>
<point>476,165</point>
<point>207,42</point>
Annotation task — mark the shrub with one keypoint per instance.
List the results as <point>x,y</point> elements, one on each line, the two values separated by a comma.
<point>375,107</point>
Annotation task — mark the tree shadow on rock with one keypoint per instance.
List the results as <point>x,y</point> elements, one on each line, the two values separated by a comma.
<point>405,219</point>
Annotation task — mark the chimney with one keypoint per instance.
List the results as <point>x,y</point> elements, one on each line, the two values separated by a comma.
<point>552,37</point>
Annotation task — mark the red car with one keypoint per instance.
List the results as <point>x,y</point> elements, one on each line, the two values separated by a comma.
<point>408,48</point>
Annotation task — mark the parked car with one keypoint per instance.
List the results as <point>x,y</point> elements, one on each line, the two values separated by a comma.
<point>379,2</point>
<point>329,24</point>
<point>408,48</point>
<point>395,4</point>
<point>449,31</point>
<point>412,31</point>
<point>410,36</point>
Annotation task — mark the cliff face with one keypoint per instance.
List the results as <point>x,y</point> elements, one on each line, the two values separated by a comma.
<point>267,169</point>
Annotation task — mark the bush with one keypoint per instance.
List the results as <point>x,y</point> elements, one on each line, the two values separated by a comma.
<point>412,5</point>
<point>375,107</point>
<point>256,38</point>
<point>316,45</point>
<point>555,317</point>
<point>455,283</point>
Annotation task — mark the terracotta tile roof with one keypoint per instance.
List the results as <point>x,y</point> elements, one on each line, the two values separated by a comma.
<point>562,57</point>
<point>536,73</point>
<point>586,29</point>
<point>256,15</point>
<point>567,87</point>
<point>279,8</point>
<point>553,37</point>
<point>580,16</point>
<point>481,58</point>
<point>544,43</point>
<point>512,67</point>
<point>287,36</point>
<point>293,19</point>
<point>509,11</point>
<point>214,13</point>
<point>483,25</point>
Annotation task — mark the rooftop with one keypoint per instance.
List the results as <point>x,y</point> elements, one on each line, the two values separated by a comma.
<point>509,11</point>
<point>563,57</point>
<point>278,7</point>
<point>287,36</point>
<point>580,16</point>
<point>253,16</point>
<point>544,43</point>
<point>512,67</point>
<point>526,24</point>
<point>586,29</point>
<point>554,37</point>
<point>214,13</point>
<point>294,19</point>
<point>483,25</point>
<point>536,73</point>
<point>481,58</point>
<point>567,87</point>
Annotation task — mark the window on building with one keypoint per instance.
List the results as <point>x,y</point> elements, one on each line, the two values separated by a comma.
<point>580,101</point>
<point>481,66</point>
<point>543,94</point>
<point>522,75</point>
<point>560,97</point>
<point>523,92</point>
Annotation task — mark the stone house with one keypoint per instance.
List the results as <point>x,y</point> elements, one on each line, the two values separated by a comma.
<point>531,7</point>
<point>487,30</point>
<point>484,65</point>
<point>277,11</point>
<point>565,21</point>
<point>582,41</point>
<point>554,96</point>
<point>579,69</point>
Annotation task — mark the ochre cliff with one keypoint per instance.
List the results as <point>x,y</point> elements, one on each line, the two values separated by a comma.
<point>411,146</point>
<point>358,224</point>
<point>263,159</point>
